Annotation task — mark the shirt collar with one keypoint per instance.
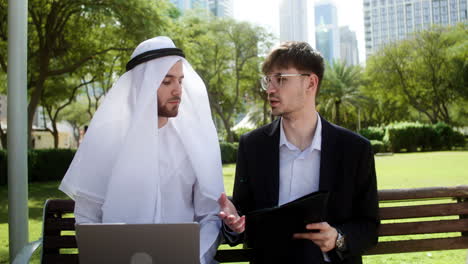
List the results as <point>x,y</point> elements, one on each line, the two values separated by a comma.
<point>316,140</point>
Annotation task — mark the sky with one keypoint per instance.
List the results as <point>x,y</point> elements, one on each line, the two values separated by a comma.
<point>266,13</point>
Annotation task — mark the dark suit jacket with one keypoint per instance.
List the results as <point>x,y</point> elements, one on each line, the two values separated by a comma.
<point>346,171</point>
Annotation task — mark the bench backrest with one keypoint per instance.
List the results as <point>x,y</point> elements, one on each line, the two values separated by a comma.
<point>55,241</point>
<point>448,205</point>
<point>396,234</point>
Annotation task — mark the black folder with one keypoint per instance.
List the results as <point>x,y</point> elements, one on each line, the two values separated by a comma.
<point>276,226</point>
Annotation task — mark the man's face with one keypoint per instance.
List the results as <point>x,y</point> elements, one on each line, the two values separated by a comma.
<point>287,94</point>
<point>170,92</point>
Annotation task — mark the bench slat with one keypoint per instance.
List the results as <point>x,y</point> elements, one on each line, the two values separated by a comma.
<point>63,258</point>
<point>460,191</point>
<point>54,242</point>
<point>426,227</point>
<point>59,224</point>
<point>60,206</point>
<point>428,210</point>
<point>234,255</point>
<point>419,245</point>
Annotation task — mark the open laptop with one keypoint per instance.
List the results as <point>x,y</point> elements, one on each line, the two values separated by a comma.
<point>138,243</point>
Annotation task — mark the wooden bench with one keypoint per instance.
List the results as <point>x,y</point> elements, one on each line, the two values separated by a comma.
<point>449,205</point>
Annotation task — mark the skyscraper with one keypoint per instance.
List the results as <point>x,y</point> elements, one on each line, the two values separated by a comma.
<point>390,20</point>
<point>348,46</point>
<point>221,8</point>
<point>293,20</point>
<point>190,4</point>
<point>327,34</point>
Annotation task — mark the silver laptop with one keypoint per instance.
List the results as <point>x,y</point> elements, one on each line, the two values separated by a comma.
<point>138,243</point>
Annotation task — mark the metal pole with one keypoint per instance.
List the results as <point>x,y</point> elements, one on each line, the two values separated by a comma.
<point>17,126</point>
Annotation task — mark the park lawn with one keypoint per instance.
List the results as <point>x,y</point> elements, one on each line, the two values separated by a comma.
<point>410,170</point>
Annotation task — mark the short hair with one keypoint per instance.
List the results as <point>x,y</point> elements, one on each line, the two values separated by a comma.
<point>297,54</point>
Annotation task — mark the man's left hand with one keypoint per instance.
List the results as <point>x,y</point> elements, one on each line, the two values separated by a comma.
<point>324,235</point>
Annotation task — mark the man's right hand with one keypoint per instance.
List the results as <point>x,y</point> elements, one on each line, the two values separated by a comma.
<point>229,215</point>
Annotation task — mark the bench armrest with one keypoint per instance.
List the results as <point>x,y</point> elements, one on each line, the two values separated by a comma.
<point>26,252</point>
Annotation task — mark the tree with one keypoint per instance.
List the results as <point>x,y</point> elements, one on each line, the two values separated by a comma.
<point>226,55</point>
<point>381,107</point>
<point>427,71</point>
<point>64,90</point>
<point>75,114</point>
<point>340,89</point>
<point>65,35</point>
<point>104,73</point>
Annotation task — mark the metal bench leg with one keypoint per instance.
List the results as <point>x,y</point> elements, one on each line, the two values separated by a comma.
<point>26,252</point>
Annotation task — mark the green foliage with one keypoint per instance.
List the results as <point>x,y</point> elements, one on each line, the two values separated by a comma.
<point>66,35</point>
<point>427,72</point>
<point>413,136</point>
<point>373,133</point>
<point>381,106</point>
<point>228,151</point>
<point>241,131</point>
<point>52,164</point>
<point>43,165</point>
<point>226,54</point>
<point>339,96</point>
<point>377,146</point>
<point>3,167</point>
<point>447,137</point>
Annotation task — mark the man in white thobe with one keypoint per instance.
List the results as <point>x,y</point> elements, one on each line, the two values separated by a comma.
<point>132,169</point>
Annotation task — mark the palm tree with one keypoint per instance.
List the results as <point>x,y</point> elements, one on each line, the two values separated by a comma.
<point>340,89</point>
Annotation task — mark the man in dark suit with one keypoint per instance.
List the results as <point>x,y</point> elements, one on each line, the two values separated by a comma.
<point>300,153</point>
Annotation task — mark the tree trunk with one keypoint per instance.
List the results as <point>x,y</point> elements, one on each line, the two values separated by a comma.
<point>225,120</point>
<point>32,107</point>
<point>3,138</point>
<point>76,134</point>
<point>227,126</point>
<point>265,112</point>
<point>55,133</point>
<point>337,113</point>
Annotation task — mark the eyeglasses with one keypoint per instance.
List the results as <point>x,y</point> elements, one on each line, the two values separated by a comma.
<point>277,79</point>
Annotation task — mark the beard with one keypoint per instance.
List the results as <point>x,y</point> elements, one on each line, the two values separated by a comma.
<point>168,110</point>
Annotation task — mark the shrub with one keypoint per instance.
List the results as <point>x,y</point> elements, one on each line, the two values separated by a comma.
<point>415,136</point>
<point>241,131</point>
<point>3,167</point>
<point>458,139</point>
<point>373,133</point>
<point>228,151</point>
<point>377,146</point>
<point>51,164</point>
<point>43,164</point>
<point>403,136</point>
<point>448,137</point>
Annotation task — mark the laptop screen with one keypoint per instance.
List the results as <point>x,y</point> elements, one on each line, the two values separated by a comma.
<point>138,243</point>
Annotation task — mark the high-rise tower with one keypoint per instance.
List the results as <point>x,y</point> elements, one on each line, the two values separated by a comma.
<point>390,20</point>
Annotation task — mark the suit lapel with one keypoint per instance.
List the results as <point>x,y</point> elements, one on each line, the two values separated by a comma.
<point>328,156</point>
<point>271,172</point>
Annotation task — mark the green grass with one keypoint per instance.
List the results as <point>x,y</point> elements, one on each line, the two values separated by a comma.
<point>427,169</point>
<point>398,171</point>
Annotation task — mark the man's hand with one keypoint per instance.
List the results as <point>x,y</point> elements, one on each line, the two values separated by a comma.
<point>324,235</point>
<point>229,215</point>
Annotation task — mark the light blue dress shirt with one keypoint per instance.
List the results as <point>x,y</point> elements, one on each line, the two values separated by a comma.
<point>299,170</point>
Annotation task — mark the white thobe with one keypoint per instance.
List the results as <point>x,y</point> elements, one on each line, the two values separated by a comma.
<point>182,199</point>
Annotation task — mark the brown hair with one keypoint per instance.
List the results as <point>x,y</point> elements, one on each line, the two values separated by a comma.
<point>299,55</point>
